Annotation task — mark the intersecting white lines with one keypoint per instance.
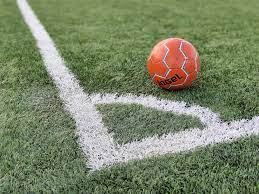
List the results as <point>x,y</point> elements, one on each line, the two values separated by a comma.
<point>94,139</point>
<point>215,132</point>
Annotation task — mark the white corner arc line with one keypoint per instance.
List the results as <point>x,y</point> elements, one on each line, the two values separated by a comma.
<point>94,138</point>
<point>216,131</point>
<point>205,115</point>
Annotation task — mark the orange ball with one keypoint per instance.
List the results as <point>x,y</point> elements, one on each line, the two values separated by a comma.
<point>173,64</point>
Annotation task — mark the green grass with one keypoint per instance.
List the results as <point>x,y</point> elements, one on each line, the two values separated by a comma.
<point>135,122</point>
<point>105,44</point>
<point>218,169</point>
<point>37,138</point>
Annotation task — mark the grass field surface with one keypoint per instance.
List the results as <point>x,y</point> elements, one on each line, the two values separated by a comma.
<point>105,44</point>
<point>134,122</point>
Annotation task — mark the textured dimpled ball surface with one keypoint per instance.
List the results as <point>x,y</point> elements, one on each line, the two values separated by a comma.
<point>173,64</point>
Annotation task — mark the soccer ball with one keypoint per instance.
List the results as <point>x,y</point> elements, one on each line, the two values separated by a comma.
<point>173,64</point>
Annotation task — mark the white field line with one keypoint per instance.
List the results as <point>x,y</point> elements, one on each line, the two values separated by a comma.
<point>94,139</point>
<point>215,132</point>
<point>205,115</point>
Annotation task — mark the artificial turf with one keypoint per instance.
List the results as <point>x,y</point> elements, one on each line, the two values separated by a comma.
<point>38,145</point>
<point>134,122</point>
<point>106,44</point>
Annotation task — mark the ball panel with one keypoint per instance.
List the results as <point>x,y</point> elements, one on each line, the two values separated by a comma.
<point>193,76</point>
<point>190,66</point>
<point>188,50</point>
<point>174,58</point>
<point>158,52</point>
<point>157,68</point>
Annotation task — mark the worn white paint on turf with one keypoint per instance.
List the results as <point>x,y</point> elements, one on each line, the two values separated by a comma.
<point>94,139</point>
